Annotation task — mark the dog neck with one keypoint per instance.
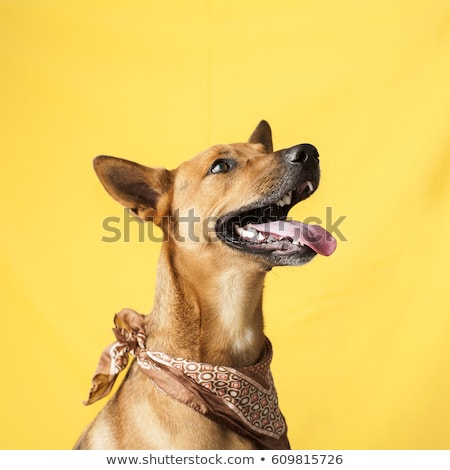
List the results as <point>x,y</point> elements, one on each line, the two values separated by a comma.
<point>207,312</point>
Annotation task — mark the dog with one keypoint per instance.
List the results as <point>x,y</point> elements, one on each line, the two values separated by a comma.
<point>201,377</point>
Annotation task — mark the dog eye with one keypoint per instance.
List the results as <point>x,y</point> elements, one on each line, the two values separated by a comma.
<point>220,166</point>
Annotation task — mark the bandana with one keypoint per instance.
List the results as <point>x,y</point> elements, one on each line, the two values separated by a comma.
<point>244,399</point>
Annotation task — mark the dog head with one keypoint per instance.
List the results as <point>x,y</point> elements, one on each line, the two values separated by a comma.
<point>232,198</point>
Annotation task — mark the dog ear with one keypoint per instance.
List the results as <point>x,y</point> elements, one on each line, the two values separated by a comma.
<point>262,135</point>
<point>141,189</point>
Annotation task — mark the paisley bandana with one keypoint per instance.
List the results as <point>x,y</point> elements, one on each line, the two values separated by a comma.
<point>244,399</point>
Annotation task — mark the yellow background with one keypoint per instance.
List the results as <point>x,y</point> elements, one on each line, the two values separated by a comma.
<point>361,339</point>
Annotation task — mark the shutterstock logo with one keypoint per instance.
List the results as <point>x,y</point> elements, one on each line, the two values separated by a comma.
<point>191,228</point>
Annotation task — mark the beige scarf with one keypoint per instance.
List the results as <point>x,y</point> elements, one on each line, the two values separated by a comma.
<point>243,399</point>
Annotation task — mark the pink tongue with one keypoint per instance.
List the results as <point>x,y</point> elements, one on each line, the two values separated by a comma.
<point>314,236</point>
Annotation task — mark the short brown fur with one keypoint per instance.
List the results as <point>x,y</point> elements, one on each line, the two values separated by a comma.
<point>208,302</point>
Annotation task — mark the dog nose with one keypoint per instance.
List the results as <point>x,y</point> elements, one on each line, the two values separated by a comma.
<point>302,153</point>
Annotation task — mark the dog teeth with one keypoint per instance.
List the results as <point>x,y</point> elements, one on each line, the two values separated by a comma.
<point>260,237</point>
<point>310,186</point>
<point>238,230</point>
<point>255,236</point>
<point>249,234</point>
<point>285,200</point>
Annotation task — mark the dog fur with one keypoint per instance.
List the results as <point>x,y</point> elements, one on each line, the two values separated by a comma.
<point>208,302</point>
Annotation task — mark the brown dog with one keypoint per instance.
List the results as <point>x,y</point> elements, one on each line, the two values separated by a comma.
<point>224,217</point>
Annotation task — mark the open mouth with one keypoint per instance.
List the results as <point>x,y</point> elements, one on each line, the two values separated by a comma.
<point>265,229</point>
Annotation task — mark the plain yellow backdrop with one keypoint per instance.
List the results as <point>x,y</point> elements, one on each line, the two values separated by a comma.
<point>361,339</point>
